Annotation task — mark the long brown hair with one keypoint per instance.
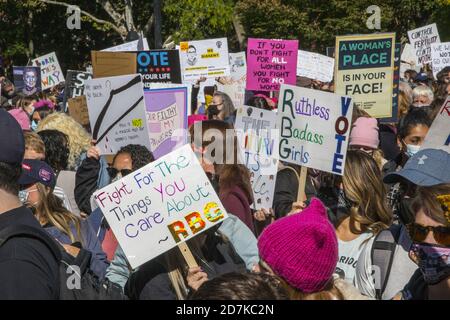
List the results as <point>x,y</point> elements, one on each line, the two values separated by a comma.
<point>230,170</point>
<point>329,292</point>
<point>51,210</point>
<point>365,190</point>
<point>427,199</point>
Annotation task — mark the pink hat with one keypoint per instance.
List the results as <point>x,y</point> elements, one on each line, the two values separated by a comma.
<point>22,118</point>
<point>365,133</point>
<point>196,118</point>
<point>302,248</point>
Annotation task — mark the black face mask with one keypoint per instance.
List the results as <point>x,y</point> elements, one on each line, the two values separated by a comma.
<point>213,111</point>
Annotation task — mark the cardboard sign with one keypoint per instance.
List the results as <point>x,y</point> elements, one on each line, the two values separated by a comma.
<point>160,205</point>
<point>111,64</point>
<point>51,73</point>
<point>421,40</point>
<point>117,112</point>
<point>314,128</point>
<point>161,66</point>
<point>271,63</point>
<point>75,84</point>
<point>27,80</point>
<point>257,136</point>
<point>315,66</point>
<point>440,54</point>
<point>438,136</point>
<point>234,85</point>
<point>365,71</point>
<point>78,110</point>
<point>128,46</point>
<point>204,58</point>
<point>167,112</point>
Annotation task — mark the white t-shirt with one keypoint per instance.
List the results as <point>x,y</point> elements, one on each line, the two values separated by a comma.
<point>349,252</point>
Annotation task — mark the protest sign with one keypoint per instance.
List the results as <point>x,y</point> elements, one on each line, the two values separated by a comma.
<point>78,110</point>
<point>160,205</point>
<point>438,137</point>
<point>421,40</point>
<point>167,111</point>
<point>395,86</point>
<point>128,46</point>
<point>204,58</point>
<point>440,55</point>
<point>111,64</point>
<point>51,73</point>
<point>365,71</point>
<point>234,85</point>
<point>117,112</point>
<point>314,128</point>
<point>315,66</point>
<point>27,80</point>
<point>255,130</point>
<point>162,66</point>
<point>75,84</point>
<point>271,63</point>
<point>408,60</point>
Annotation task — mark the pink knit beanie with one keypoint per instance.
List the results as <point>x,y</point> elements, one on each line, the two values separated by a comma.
<point>302,248</point>
<point>365,133</point>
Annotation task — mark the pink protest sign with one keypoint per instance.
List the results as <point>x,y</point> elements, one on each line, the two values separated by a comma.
<point>271,63</point>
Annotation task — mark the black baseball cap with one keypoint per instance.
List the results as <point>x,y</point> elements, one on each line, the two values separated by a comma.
<point>12,142</point>
<point>34,171</point>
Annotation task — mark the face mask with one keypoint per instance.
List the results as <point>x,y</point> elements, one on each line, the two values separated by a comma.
<point>412,149</point>
<point>212,111</point>
<point>23,196</point>
<point>433,261</point>
<point>32,111</point>
<point>343,201</point>
<point>34,125</point>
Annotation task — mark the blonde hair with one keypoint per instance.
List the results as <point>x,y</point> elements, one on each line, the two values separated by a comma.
<point>404,102</point>
<point>330,292</point>
<point>79,139</point>
<point>34,142</point>
<point>426,199</point>
<point>50,209</point>
<point>365,189</point>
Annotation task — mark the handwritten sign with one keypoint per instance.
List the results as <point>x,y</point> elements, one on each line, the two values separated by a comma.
<point>160,205</point>
<point>51,73</point>
<point>365,71</point>
<point>167,108</point>
<point>75,84</point>
<point>421,40</point>
<point>128,46</point>
<point>27,80</point>
<point>314,128</point>
<point>440,54</point>
<point>256,133</point>
<point>315,66</point>
<point>271,63</point>
<point>438,136</point>
<point>204,58</point>
<point>234,85</point>
<point>114,105</point>
<point>162,66</point>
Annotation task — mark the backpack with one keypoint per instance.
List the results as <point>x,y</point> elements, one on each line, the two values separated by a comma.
<point>76,280</point>
<point>382,254</point>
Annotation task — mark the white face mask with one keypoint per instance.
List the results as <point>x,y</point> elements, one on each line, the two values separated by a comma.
<point>412,149</point>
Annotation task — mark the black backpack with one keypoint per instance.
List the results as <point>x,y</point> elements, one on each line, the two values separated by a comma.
<point>76,280</point>
<point>382,254</point>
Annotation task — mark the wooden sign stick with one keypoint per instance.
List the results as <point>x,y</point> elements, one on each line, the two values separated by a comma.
<point>187,255</point>
<point>301,195</point>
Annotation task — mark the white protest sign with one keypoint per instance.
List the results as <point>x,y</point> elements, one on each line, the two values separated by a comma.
<point>51,73</point>
<point>314,128</point>
<point>234,85</point>
<point>438,137</point>
<point>257,136</point>
<point>315,66</point>
<point>128,46</point>
<point>421,40</point>
<point>440,55</point>
<point>204,58</point>
<point>160,205</point>
<point>408,60</point>
<point>117,112</point>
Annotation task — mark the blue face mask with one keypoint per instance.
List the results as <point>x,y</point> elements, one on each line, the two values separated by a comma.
<point>34,125</point>
<point>23,196</point>
<point>32,111</point>
<point>412,149</point>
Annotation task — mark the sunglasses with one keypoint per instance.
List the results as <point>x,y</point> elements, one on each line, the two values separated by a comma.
<point>113,172</point>
<point>418,233</point>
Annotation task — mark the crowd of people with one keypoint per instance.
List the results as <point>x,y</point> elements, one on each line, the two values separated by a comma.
<point>381,231</point>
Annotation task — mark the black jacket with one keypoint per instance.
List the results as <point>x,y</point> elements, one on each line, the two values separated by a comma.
<point>28,269</point>
<point>86,183</point>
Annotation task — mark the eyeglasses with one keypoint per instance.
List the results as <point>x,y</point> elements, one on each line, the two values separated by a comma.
<point>418,233</point>
<point>113,172</point>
